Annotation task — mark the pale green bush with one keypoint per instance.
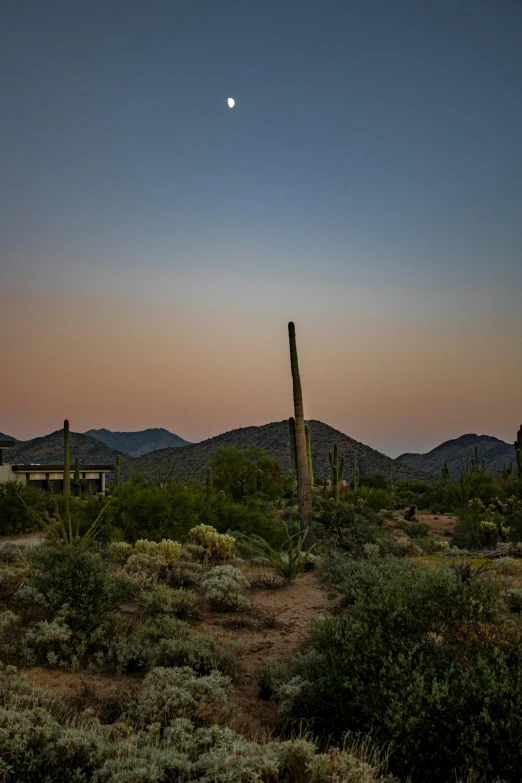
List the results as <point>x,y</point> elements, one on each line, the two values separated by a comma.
<point>164,600</point>
<point>509,566</point>
<point>223,587</point>
<point>146,569</point>
<point>179,692</point>
<point>40,740</point>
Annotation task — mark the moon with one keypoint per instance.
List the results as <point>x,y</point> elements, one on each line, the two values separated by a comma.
<point>231,103</point>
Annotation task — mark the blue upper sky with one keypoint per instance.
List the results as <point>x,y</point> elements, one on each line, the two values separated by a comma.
<point>369,136</point>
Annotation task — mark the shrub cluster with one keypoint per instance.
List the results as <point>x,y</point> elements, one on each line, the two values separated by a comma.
<point>416,660</point>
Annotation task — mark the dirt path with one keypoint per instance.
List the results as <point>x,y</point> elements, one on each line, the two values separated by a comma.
<point>27,539</point>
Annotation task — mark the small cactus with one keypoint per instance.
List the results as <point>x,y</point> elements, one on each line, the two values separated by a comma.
<point>337,471</point>
<point>66,460</point>
<point>518,449</point>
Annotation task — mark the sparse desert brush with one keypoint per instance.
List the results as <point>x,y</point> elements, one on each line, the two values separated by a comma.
<point>161,599</point>
<point>218,546</point>
<point>223,586</point>
<point>509,566</point>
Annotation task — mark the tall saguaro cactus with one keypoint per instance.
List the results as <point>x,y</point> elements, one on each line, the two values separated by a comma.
<point>337,471</point>
<point>293,452</point>
<point>309,454</point>
<point>304,488</point>
<point>66,460</point>
<point>518,448</point>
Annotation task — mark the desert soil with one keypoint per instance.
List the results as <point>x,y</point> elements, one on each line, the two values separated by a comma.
<point>27,539</point>
<point>441,525</point>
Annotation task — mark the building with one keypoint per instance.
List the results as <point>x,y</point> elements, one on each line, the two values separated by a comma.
<point>51,476</point>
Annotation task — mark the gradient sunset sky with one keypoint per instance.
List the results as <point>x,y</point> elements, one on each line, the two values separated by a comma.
<point>367,185</point>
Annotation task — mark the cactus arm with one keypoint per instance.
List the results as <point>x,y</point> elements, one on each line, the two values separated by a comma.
<point>304,489</point>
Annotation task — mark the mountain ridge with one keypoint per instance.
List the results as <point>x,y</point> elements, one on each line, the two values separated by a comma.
<point>273,437</point>
<point>49,449</point>
<point>457,451</point>
<point>138,442</point>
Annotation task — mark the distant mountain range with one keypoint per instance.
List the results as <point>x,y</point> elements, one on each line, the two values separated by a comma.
<point>138,443</point>
<point>7,437</point>
<point>495,453</point>
<point>190,460</point>
<point>49,449</point>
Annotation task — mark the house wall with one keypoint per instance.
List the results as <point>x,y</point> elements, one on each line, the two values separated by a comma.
<point>7,474</point>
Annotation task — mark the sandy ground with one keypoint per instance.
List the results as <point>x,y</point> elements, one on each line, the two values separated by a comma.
<point>441,525</point>
<point>27,539</point>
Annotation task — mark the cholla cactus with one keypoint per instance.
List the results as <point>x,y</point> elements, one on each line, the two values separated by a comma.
<point>120,551</point>
<point>170,550</point>
<point>440,546</point>
<point>167,549</point>
<point>490,532</point>
<point>217,545</point>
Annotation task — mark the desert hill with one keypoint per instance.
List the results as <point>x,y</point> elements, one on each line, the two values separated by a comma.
<point>3,436</point>
<point>138,443</point>
<point>49,449</point>
<point>189,460</point>
<point>495,453</point>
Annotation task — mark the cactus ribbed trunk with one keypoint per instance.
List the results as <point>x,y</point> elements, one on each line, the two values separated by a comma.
<point>304,488</point>
<point>337,471</point>
<point>66,460</point>
<point>518,448</point>
<point>309,455</point>
<point>293,451</point>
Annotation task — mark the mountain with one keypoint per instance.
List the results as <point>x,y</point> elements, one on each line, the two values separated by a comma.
<point>7,437</point>
<point>138,443</point>
<point>495,453</point>
<point>49,449</point>
<point>189,460</point>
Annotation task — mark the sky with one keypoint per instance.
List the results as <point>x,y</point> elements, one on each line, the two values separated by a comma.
<point>367,185</point>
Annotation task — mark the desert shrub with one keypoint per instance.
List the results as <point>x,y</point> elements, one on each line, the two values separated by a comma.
<point>415,660</point>
<point>217,546</point>
<point>74,584</point>
<point>130,644</point>
<point>509,566</point>
<point>416,529</point>
<point>223,587</point>
<point>161,599</point>
<point>146,569</point>
<point>179,693</point>
<point>351,523</point>
<point>185,574</point>
<point>40,741</point>
<point>20,507</point>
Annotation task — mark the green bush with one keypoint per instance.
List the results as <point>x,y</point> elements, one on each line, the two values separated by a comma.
<point>20,507</point>
<point>416,660</point>
<point>74,585</point>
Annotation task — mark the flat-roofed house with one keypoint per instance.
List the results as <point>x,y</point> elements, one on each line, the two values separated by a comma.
<point>51,476</point>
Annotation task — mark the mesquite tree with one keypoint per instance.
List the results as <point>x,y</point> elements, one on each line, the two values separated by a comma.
<point>304,487</point>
